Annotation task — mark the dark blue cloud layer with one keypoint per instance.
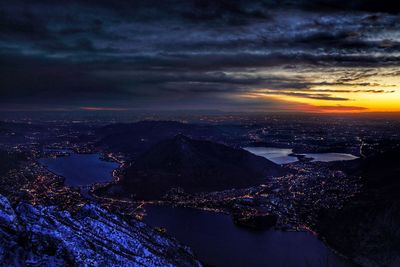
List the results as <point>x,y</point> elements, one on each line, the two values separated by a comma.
<point>141,53</point>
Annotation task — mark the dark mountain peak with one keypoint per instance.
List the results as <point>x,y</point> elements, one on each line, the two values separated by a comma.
<point>136,138</point>
<point>181,138</point>
<point>195,166</point>
<point>182,143</point>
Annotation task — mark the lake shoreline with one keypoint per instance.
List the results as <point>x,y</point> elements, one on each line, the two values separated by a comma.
<point>151,209</point>
<point>82,175</point>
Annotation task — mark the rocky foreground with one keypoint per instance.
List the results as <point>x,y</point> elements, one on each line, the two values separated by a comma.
<point>44,236</point>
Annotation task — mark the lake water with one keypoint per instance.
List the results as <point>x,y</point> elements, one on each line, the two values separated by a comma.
<point>80,169</point>
<point>276,155</point>
<point>281,155</point>
<point>327,157</point>
<point>216,240</point>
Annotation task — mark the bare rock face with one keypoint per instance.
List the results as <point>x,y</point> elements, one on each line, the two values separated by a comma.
<point>44,236</point>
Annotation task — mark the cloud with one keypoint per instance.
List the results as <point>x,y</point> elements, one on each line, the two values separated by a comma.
<point>327,97</point>
<point>141,53</point>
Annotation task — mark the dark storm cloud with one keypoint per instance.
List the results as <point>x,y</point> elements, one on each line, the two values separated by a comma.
<point>140,52</point>
<point>340,5</point>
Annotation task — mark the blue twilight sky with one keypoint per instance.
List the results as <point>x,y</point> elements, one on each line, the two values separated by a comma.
<point>199,54</point>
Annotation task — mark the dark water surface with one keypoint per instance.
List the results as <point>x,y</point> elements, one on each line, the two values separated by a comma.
<point>217,241</point>
<point>81,169</point>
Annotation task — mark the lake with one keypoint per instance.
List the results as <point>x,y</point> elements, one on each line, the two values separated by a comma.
<point>281,155</point>
<point>276,155</point>
<point>216,240</point>
<point>327,157</point>
<point>80,169</point>
<point>213,236</point>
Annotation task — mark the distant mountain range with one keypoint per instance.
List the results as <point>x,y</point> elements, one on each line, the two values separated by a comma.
<point>194,166</point>
<point>135,138</point>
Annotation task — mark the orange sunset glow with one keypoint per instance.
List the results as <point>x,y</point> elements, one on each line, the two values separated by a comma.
<point>337,91</point>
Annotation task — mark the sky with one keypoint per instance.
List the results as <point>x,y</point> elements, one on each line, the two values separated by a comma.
<point>265,56</point>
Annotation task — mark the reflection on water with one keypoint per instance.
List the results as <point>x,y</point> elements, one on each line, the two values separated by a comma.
<point>80,169</point>
<point>217,241</point>
<point>327,157</point>
<point>281,155</point>
<point>276,155</point>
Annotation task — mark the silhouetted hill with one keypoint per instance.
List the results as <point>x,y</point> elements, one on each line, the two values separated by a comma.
<point>369,226</point>
<point>136,138</point>
<point>195,166</point>
<point>381,174</point>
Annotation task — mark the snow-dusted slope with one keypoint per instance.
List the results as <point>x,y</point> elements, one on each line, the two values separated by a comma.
<point>43,236</point>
